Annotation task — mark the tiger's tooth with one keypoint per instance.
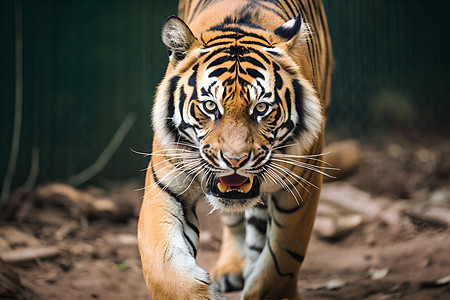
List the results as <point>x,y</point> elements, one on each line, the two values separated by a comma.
<point>245,188</point>
<point>222,187</point>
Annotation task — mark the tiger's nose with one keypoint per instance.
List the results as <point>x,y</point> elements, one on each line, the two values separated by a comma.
<point>235,162</point>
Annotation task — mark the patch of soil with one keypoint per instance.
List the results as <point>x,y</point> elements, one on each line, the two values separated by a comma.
<point>98,256</point>
<point>404,169</point>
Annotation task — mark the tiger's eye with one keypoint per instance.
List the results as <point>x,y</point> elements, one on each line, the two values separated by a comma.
<point>261,107</point>
<point>210,106</point>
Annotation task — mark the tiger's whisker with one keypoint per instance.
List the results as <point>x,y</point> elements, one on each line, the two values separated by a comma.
<point>284,146</point>
<point>176,168</point>
<point>198,170</point>
<point>293,157</point>
<point>290,183</point>
<point>300,164</point>
<point>281,181</point>
<point>166,185</point>
<point>309,167</point>
<point>300,180</point>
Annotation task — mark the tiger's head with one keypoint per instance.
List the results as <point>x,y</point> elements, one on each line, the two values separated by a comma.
<point>231,99</point>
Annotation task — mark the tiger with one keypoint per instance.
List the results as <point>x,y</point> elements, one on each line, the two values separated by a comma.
<point>238,121</point>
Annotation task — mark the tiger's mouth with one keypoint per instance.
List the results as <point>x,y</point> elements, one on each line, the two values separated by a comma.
<point>234,187</point>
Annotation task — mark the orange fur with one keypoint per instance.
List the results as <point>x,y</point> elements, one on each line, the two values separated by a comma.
<point>229,53</point>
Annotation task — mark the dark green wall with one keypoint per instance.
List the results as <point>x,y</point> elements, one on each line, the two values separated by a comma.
<point>392,65</point>
<point>87,64</point>
<point>90,63</point>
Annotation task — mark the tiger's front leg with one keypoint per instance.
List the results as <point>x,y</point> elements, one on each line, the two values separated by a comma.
<point>274,273</point>
<point>227,272</point>
<point>168,240</point>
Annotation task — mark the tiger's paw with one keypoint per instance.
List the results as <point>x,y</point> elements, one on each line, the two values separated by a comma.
<point>230,282</point>
<point>228,278</point>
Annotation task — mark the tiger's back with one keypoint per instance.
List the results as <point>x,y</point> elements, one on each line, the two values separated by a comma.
<point>239,121</point>
<point>316,58</point>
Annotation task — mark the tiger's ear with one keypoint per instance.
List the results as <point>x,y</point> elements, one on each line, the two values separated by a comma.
<point>177,37</point>
<point>290,30</point>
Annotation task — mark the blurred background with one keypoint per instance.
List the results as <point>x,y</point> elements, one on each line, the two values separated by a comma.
<point>86,68</point>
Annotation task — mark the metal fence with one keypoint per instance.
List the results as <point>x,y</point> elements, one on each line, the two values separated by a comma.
<point>88,65</point>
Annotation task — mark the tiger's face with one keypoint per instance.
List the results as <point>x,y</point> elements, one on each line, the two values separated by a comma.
<point>231,100</point>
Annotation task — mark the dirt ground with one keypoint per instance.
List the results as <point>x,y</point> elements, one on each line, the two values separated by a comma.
<point>401,252</point>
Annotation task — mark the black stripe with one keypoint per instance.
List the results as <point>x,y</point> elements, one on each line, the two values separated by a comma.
<point>202,281</point>
<point>274,53</point>
<point>284,210</point>
<point>217,72</point>
<point>212,54</point>
<point>197,7</point>
<point>229,287</point>
<point>238,33</point>
<point>298,92</point>
<point>211,157</point>
<point>222,43</point>
<point>253,61</point>
<point>296,256</point>
<point>291,10</point>
<point>255,248</point>
<point>296,7</point>
<point>275,221</point>
<point>277,267</point>
<point>287,97</point>
<point>255,73</point>
<point>179,200</point>
<point>254,43</point>
<point>192,81</point>
<point>220,60</point>
<point>278,79</point>
<point>171,105</point>
<point>188,239</point>
<point>259,157</point>
<point>259,224</point>
<point>182,100</point>
<point>260,54</point>
<point>193,227</point>
<point>191,243</point>
<point>165,188</point>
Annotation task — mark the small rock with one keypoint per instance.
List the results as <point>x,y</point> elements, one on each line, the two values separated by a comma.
<point>333,284</point>
<point>440,197</point>
<point>377,274</point>
<point>436,283</point>
<point>342,159</point>
<point>127,239</point>
<point>443,281</point>
<point>332,228</point>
